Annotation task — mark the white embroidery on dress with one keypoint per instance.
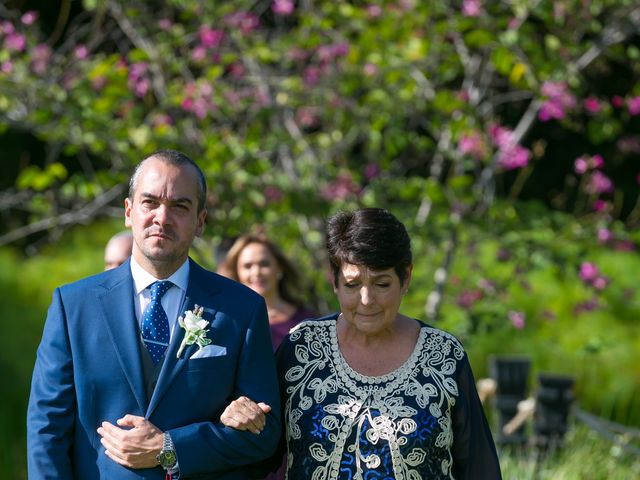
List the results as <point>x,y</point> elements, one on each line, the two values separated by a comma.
<point>316,350</point>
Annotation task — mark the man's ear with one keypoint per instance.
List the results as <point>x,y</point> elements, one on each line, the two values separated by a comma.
<point>128,205</point>
<point>202,215</point>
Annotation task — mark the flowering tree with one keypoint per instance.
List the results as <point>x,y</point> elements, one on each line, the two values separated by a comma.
<point>294,109</point>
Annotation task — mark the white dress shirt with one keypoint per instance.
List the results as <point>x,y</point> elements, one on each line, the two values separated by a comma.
<point>171,301</point>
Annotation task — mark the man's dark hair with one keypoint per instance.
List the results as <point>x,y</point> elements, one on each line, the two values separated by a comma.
<point>178,159</point>
<point>372,237</point>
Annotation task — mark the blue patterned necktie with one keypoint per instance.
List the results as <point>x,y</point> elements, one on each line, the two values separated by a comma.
<point>155,324</point>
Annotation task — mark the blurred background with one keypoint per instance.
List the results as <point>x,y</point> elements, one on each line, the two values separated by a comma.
<point>504,134</point>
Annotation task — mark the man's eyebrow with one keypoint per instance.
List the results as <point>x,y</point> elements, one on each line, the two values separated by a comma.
<point>171,200</point>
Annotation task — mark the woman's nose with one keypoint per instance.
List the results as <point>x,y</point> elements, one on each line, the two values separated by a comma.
<point>366,296</point>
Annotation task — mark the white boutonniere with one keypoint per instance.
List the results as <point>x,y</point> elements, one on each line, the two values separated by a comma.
<point>194,329</point>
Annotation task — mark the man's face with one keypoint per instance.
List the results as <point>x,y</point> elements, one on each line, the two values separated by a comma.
<point>163,215</point>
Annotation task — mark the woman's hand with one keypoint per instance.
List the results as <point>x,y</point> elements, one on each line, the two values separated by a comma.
<point>245,414</point>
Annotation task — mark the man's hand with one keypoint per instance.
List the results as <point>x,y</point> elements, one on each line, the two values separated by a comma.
<point>245,414</point>
<point>134,443</point>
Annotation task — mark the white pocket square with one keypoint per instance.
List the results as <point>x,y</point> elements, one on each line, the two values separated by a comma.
<point>210,351</point>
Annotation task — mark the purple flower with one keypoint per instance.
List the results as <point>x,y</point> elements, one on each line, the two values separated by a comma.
<point>471,8</point>
<point>517,319</point>
<point>247,22</point>
<point>592,104</point>
<point>282,7</point>
<point>604,235</point>
<point>600,283</point>
<point>581,165</point>
<point>559,99</point>
<point>165,23</point>
<point>6,67</point>
<point>597,161</point>
<point>273,194</point>
<point>199,53</point>
<point>467,298</point>
<point>311,75</point>
<point>370,69</point>
<point>29,18</point>
<point>633,105</point>
<point>15,42</point>
<point>80,52</point>
<point>588,272</point>
<point>600,205</point>
<point>617,101</point>
<point>340,188</point>
<point>599,183</point>
<point>371,171</point>
<point>307,117</point>
<point>472,144</point>
<point>629,144</point>
<point>209,37</point>
<point>374,11</point>
<point>40,57</point>
<point>514,157</point>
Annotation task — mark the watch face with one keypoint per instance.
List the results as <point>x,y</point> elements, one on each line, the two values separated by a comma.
<point>167,458</point>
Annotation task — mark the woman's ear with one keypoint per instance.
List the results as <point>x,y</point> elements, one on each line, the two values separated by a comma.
<point>407,280</point>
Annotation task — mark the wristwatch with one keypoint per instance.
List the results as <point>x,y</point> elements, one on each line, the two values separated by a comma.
<point>167,457</point>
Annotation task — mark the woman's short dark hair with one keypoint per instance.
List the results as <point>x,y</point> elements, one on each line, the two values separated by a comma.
<point>372,237</point>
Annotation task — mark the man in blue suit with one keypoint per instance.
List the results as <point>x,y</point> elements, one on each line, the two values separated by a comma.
<point>114,396</point>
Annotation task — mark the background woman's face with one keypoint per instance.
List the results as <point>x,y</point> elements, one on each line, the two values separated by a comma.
<point>258,269</point>
<point>369,299</point>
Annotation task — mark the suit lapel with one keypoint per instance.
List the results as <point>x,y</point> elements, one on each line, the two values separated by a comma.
<point>199,292</point>
<point>117,306</point>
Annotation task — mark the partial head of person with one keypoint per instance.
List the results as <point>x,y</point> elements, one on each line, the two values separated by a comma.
<point>165,210</point>
<point>255,261</point>
<point>371,262</point>
<point>118,249</point>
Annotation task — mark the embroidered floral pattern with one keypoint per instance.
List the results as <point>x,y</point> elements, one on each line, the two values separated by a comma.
<point>398,424</point>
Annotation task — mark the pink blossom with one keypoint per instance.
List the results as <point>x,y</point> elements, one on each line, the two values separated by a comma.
<point>559,99</point>
<point>629,144</point>
<point>467,298</point>
<point>588,272</point>
<point>141,87</point>
<point>15,42</point>
<point>247,22</point>
<point>199,53</point>
<point>307,117</point>
<point>311,75</point>
<point>597,161</point>
<point>342,187</point>
<point>600,205</point>
<point>617,101</point>
<point>592,104</point>
<point>500,136</point>
<point>581,165</point>
<point>371,171</point>
<point>633,105</point>
<point>80,52</point>
<point>599,183</point>
<point>29,18</point>
<point>517,319</point>
<point>237,70</point>
<point>472,144</point>
<point>165,23</point>
<point>282,7</point>
<point>370,69</point>
<point>6,67</point>
<point>514,157</point>
<point>7,28</point>
<point>374,11</point>
<point>273,194</point>
<point>40,57</point>
<point>471,8</point>
<point>604,235</point>
<point>600,283</point>
<point>209,37</point>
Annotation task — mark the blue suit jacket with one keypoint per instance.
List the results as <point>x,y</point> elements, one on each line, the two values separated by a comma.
<point>88,370</point>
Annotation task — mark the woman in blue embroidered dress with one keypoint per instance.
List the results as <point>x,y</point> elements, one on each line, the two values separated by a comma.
<point>369,393</point>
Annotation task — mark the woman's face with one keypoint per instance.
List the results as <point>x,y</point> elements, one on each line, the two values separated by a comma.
<point>258,269</point>
<point>370,299</point>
